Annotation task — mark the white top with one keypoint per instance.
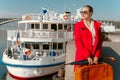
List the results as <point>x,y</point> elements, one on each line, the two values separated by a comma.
<point>92,30</point>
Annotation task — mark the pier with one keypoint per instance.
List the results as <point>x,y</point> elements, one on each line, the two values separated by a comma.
<point>109,49</point>
<point>4,21</point>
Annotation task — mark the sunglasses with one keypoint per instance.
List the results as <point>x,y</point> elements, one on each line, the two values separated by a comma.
<point>84,12</point>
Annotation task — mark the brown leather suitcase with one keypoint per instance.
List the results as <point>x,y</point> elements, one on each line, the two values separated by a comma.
<point>101,71</point>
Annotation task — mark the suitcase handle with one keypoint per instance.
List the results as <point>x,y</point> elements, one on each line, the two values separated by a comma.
<point>111,59</point>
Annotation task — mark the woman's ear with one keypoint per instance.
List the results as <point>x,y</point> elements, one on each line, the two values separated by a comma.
<point>91,13</point>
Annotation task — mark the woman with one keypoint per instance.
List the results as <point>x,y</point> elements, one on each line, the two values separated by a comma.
<point>88,37</point>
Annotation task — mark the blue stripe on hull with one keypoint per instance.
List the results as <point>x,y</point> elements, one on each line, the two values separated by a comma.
<point>34,66</point>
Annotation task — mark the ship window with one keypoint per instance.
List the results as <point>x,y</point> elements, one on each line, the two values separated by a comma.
<point>45,46</point>
<point>54,27</point>
<point>28,26</point>
<point>65,26</point>
<point>60,26</point>
<point>37,26</point>
<point>69,27</point>
<point>45,26</point>
<point>72,27</point>
<point>27,46</point>
<point>32,26</point>
<point>35,46</point>
<point>22,44</point>
<point>22,25</point>
<point>54,45</point>
<point>60,45</point>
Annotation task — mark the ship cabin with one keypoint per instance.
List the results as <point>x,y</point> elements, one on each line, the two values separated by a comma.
<point>41,38</point>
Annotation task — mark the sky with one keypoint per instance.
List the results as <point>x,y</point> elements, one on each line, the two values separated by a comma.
<point>103,9</point>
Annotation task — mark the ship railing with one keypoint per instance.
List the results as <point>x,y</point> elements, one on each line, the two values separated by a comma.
<point>40,34</point>
<point>58,52</point>
<point>20,53</point>
<point>48,16</point>
<point>39,17</point>
<point>32,17</point>
<point>34,55</point>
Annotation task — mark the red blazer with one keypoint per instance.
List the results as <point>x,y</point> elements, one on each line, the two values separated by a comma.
<point>83,41</point>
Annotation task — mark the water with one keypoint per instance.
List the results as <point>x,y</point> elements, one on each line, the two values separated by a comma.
<point>3,44</point>
<point>3,37</point>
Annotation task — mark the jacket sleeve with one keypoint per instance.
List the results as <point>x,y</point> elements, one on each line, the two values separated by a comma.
<point>79,43</point>
<point>99,47</point>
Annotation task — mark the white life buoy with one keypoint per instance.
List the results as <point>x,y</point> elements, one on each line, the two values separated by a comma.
<point>65,17</point>
<point>27,17</point>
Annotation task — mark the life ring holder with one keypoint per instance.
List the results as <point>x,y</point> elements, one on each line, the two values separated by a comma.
<point>65,17</point>
<point>27,17</point>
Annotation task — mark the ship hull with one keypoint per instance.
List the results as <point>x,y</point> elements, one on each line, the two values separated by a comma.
<point>29,73</point>
<point>33,69</point>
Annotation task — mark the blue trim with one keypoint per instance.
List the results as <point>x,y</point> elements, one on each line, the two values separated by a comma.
<point>34,66</point>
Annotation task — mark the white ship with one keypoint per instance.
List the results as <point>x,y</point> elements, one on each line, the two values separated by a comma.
<point>38,46</point>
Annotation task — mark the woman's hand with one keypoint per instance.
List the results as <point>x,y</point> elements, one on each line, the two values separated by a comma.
<point>90,61</point>
<point>95,60</point>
